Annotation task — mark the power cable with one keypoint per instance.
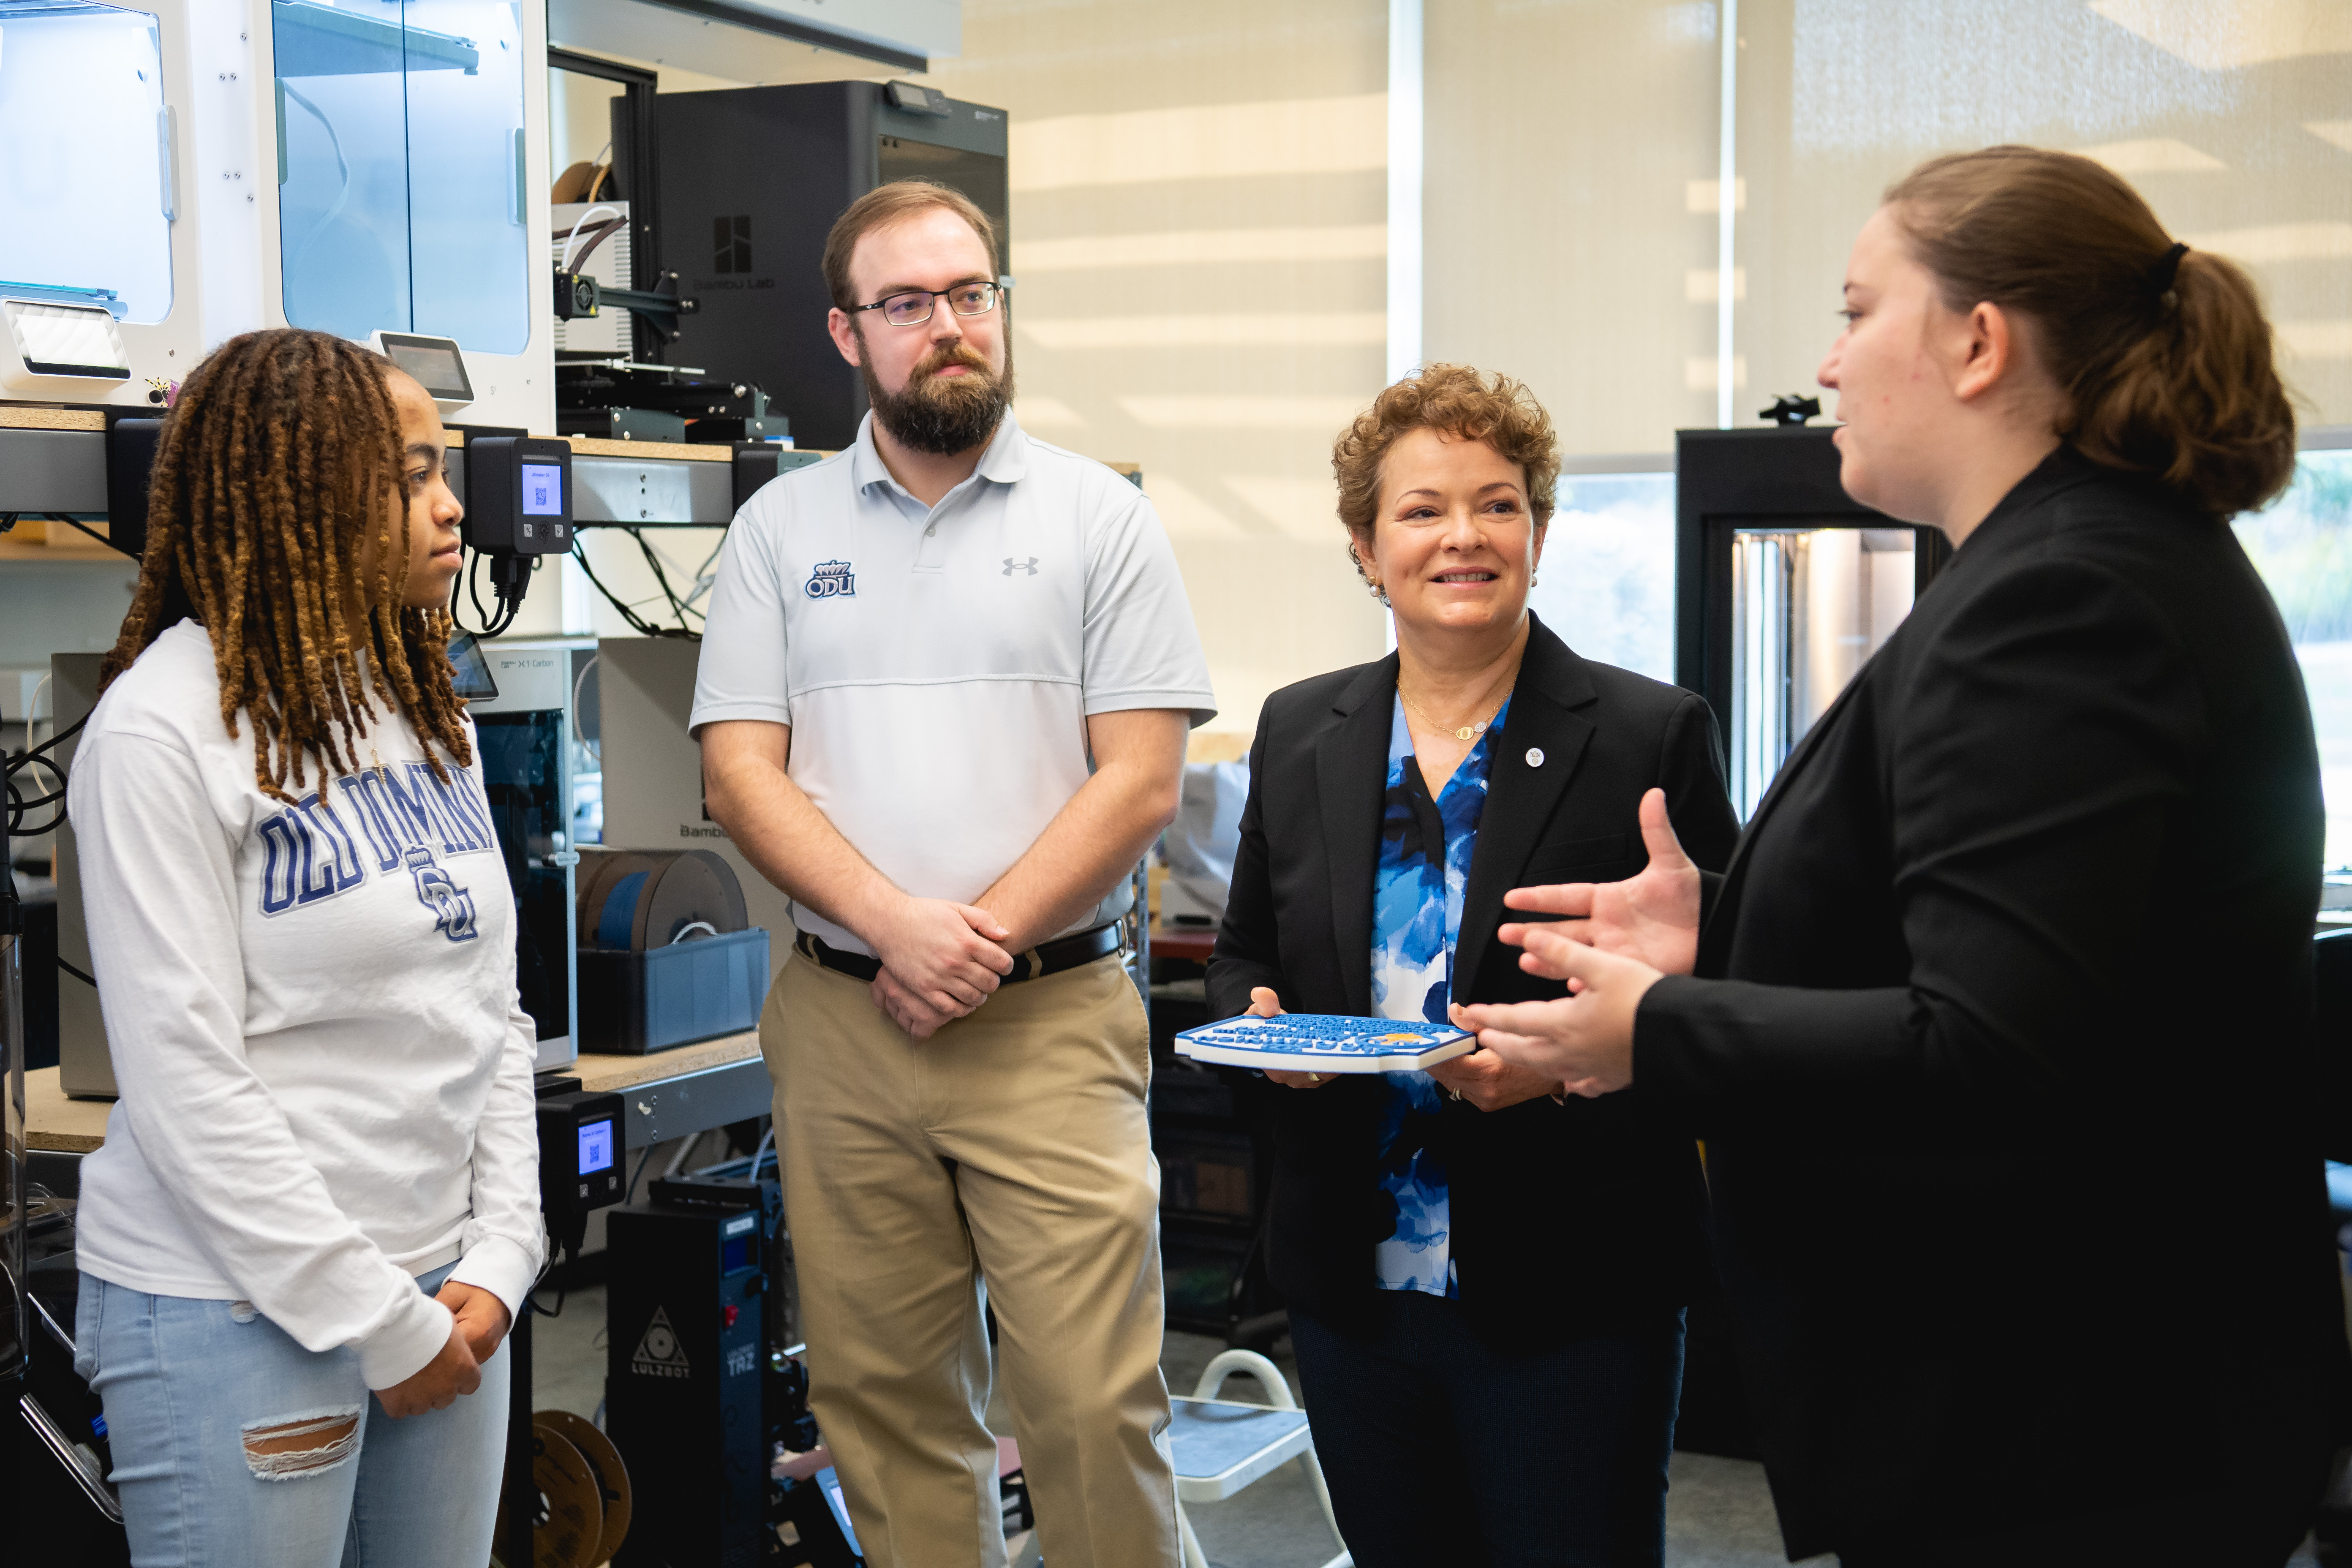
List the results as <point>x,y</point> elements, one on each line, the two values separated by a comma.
<point>636,622</point>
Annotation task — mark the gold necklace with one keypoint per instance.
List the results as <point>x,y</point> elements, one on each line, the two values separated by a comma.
<point>1469,732</point>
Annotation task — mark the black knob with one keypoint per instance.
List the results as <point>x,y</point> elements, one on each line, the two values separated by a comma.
<point>1790,410</point>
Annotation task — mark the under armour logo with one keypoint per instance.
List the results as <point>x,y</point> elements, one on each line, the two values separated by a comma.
<point>1011,566</point>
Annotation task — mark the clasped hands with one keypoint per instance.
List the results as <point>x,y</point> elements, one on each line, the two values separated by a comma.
<point>1616,941</point>
<point>939,961</point>
<point>480,1322</point>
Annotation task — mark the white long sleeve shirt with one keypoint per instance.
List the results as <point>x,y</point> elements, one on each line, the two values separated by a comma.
<point>325,1072</point>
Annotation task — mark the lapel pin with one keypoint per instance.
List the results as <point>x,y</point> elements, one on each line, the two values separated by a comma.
<point>1535,756</point>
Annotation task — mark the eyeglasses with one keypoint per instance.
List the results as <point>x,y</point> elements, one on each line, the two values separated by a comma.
<point>914,308</point>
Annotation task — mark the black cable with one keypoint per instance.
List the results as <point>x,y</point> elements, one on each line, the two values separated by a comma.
<point>637,623</point>
<point>493,622</point>
<point>661,578</point>
<point>474,592</point>
<point>38,756</point>
<point>78,975</point>
<point>632,1195</point>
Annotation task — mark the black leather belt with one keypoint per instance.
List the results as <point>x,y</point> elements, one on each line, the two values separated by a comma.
<point>1045,958</point>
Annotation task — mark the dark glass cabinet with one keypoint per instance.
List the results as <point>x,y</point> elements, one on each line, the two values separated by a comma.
<point>1784,587</point>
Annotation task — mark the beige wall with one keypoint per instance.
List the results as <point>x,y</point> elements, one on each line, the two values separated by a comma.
<point>1569,221</point>
<point>2229,119</point>
<point>1572,155</point>
<point>1199,201</point>
<point>1199,205</point>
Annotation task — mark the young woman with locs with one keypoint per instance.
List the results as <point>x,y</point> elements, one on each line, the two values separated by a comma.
<point>1998,1027</point>
<point>316,1210</point>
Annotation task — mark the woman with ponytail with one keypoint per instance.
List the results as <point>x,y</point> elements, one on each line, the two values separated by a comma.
<point>317,1210</point>
<point>1998,1027</point>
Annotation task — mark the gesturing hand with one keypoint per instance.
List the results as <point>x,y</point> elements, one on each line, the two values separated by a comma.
<point>1652,917</point>
<point>437,1385</point>
<point>1584,1041</point>
<point>939,960</point>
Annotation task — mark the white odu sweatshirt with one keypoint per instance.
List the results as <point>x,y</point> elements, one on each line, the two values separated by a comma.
<point>325,1072</point>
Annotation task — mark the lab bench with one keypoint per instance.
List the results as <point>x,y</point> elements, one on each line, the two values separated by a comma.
<point>668,1094</point>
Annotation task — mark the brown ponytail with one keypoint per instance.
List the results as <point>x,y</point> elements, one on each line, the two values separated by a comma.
<point>2162,352</point>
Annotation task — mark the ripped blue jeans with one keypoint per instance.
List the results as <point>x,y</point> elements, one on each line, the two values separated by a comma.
<point>234,1445</point>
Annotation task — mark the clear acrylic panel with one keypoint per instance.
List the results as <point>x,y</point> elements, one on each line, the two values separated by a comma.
<point>1808,607</point>
<point>81,125</point>
<point>468,245</point>
<point>400,169</point>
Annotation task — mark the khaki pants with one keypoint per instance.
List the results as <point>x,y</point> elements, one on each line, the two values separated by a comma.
<point>1012,1148</point>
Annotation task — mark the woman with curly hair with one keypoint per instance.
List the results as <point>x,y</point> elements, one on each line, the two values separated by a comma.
<point>1483,1271</point>
<point>320,1181</point>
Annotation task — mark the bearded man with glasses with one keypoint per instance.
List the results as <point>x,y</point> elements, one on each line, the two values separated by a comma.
<point>942,701</point>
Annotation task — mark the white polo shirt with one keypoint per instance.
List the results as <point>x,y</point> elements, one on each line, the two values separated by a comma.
<point>937,664</point>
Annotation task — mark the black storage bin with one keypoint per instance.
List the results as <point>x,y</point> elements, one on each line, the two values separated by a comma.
<point>633,1003</point>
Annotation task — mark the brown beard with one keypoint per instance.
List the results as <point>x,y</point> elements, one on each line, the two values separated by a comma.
<point>942,415</point>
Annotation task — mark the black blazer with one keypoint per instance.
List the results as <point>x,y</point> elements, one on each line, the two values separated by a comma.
<point>1561,1214</point>
<point>1999,1044</point>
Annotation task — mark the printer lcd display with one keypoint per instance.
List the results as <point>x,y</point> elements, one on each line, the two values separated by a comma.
<point>543,490</point>
<point>436,364</point>
<point>595,1147</point>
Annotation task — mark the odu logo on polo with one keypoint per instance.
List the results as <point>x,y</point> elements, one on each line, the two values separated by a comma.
<point>832,580</point>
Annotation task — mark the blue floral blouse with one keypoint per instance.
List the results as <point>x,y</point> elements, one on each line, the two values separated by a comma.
<point>1417,886</point>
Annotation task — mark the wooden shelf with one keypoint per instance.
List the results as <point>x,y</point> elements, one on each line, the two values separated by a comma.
<point>88,550</point>
<point>61,1125</point>
<point>18,416</point>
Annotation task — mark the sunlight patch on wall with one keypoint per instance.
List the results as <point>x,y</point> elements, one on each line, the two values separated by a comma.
<point>1205,247</point>
<point>2223,35</point>
<point>1699,371</point>
<point>2153,155</point>
<point>1202,141</point>
<point>2317,339</point>
<point>1187,515</point>
<point>1873,75</point>
<point>1233,331</point>
<point>2278,242</point>
<point>1303,509</point>
<point>1237,412</point>
<point>1047,414</point>
<point>1701,285</point>
<point>2337,133</point>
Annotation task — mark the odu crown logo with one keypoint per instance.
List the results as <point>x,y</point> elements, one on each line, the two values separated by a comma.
<point>452,906</point>
<point>832,579</point>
